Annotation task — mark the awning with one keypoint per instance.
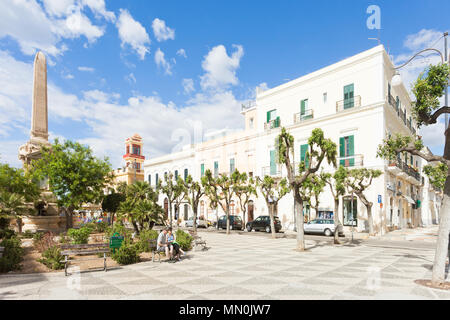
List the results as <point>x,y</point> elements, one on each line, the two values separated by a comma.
<point>409,199</point>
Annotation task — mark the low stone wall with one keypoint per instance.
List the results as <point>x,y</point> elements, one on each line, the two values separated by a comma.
<point>55,224</point>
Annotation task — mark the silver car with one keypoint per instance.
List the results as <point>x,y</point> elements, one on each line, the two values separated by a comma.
<point>200,223</point>
<point>322,226</point>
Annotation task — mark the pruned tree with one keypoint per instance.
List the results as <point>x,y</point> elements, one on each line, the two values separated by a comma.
<point>336,182</point>
<point>194,191</point>
<point>221,190</point>
<point>319,149</point>
<point>244,188</point>
<point>273,191</point>
<point>316,190</point>
<point>428,89</point>
<point>359,180</point>
<point>111,204</point>
<point>173,191</point>
<point>437,174</point>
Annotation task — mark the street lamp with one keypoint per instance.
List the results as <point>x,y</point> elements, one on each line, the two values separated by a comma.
<point>397,79</point>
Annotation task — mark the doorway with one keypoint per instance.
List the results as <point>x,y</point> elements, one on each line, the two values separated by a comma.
<point>250,209</point>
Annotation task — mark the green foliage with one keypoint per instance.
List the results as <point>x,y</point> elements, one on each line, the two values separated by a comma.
<point>101,227</point>
<point>437,174</point>
<point>7,233</point>
<point>390,147</point>
<point>143,244</point>
<point>141,207</point>
<point>90,226</point>
<point>63,239</point>
<point>75,175</point>
<point>27,234</point>
<point>119,229</point>
<point>428,88</point>
<point>38,235</point>
<point>128,253</point>
<point>52,258</point>
<point>12,255</point>
<point>360,179</point>
<point>336,181</point>
<point>79,236</point>
<point>244,188</point>
<point>272,189</point>
<point>12,204</point>
<point>112,201</point>
<point>184,239</point>
<point>20,182</point>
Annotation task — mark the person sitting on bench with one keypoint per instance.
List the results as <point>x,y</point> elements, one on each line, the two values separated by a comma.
<point>174,245</point>
<point>162,245</point>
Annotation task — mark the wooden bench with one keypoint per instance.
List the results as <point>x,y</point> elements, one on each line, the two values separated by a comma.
<point>198,241</point>
<point>2,249</point>
<point>84,249</point>
<point>153,248</point>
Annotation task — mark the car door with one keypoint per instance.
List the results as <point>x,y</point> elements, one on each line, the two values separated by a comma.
<point>256,224</point>
<point>222,222</point>
<point>309,226</point>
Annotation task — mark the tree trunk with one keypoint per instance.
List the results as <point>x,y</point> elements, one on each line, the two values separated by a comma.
<point>272,224</point>
<point>170,214</point>
<point>244,211</point>
<point>370,218</point>
<point>438,275</point>
<point>194,223</point>
<point>336,221</point>
<point>112,218</point>
<point>300,222</point>
<point>135,226</point>
<point>228,219</point>
<point>69,219</point>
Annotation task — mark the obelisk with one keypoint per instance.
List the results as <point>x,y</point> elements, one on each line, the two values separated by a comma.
<point>39,116</point>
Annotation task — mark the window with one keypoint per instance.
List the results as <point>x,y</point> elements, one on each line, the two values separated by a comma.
<point>136,150</point>
<point>349,208</point>
<point>346,151</point>
<point>251,123</point>
<point>149,179</point>
<point>303,107</point>
<point>156,179</point>
<point>202,169</point>
<point>349,100</point>
<point>303,151</point>
<point>176,175</point>
<point>232,165</point>
<point>325,97</point>
<point>216,169</point>
<point>271,115</point>
<point>185,174</point>
<point>273,165</point>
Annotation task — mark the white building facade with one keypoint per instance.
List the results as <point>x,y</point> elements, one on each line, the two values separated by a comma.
<point>353,102</point>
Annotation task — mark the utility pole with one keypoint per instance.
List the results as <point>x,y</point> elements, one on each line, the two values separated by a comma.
<point>446,87</point>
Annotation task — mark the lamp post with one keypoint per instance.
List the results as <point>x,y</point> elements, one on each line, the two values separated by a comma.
<point>397,80</point>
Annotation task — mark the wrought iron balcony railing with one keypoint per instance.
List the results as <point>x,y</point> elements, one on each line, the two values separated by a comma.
<point>345,104</point>
<point>356,160</point>
<point>299,117</point>
<point>272,124</point>
<point>274,171</point>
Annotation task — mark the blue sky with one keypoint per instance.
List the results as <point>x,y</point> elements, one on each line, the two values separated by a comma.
<point>164,69</point>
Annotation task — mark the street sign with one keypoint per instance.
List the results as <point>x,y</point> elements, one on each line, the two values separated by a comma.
<point>379,199</point>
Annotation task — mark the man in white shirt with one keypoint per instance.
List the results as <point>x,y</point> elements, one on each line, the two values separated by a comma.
<point>162,245</point>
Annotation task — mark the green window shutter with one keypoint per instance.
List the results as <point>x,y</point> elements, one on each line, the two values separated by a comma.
<point>342,147</point>
<point>268,116</point>
<point>349,96</point>
<point>273,167</point>
<point>231,165</point>
<point>351,147</point>
<point>303,106</point>
<point>216,168</point>
<point>303,150</point>
<point>202,169</point>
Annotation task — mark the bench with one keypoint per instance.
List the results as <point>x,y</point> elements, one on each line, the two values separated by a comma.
<point>84,249</point>
<point>2,249</point>
<point>198,241</point>
<point>155,251</point>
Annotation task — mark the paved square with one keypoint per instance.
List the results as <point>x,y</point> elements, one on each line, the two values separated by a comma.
<point>242,266</point>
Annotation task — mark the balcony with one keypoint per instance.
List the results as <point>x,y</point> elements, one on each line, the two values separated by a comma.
<point>401,114</point>
<point>271,171</point>
<point>352,161</point>
<point>401,169</point>
<point>298,117</point>
<point>272,124</point>
<point>343,105</point>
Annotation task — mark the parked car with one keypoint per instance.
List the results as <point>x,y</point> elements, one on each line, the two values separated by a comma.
<point>201,223</point>
<point>322,226</point>
<point>235,223</point>
<point>263,223</point>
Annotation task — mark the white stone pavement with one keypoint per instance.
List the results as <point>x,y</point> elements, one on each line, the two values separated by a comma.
<point>247,267</point>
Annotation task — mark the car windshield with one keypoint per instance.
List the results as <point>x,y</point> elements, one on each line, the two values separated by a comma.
<point>237,218</point>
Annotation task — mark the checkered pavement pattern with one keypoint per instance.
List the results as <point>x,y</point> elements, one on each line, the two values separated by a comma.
<point>246,267</point>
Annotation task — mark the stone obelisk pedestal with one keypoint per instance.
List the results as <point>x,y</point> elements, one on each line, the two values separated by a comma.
<point>38,138</point>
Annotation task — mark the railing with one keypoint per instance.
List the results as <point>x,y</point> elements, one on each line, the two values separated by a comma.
<point>356,160</point>
<point>406,169</point>
<point>248,105</point>
<point>271,171</point>
<point>343,105</point>
<point>275,123</point>
<point>401,114</point>
<point>393,103</point>
<point>299,117</point>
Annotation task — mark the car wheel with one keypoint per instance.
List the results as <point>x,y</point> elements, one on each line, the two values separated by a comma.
<point>327,232</point>
<point>231,227</point>
<point>249,228</point>
<point>267,229</point>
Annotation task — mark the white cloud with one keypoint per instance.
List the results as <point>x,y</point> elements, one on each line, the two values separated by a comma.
<point>188,86</point>
<point>161,31</point>
<point>423,39</point>
<point>68,76</point>
<point>36,28</point>
<point>220,69</point>
<point>130,78</point>
<point>108,121</point>
<point>86,69</point>
<point>132,33</point>
<point>162,62</point>
<point>182,53</point>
